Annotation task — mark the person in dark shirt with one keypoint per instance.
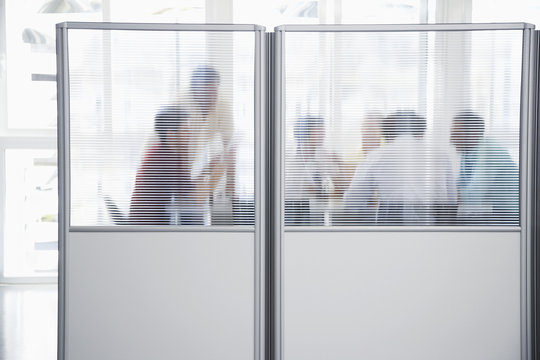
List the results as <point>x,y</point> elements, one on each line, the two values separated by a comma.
<point>163,180</point>
<point>161,173</point>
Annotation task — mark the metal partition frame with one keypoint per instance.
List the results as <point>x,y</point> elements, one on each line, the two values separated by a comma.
<point>269,169</point>
<point>260,176</point>
<point>527,162</point>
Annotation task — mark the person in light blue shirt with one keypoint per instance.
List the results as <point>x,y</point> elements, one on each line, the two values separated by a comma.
<point>488,180</point>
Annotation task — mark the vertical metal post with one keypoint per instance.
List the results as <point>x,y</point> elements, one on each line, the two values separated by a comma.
<point>279,191</point>
<point>62,82</point>
<point>271,203</point>
<point>535,196</point>
<point>526,185</point>
<point>260,191</point>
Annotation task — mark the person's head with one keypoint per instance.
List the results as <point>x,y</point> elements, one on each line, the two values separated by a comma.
<point>170,124</point>
<point>467,130</point>
<point>403,122</point>
<point>309,132</point>
<point>204,87</point>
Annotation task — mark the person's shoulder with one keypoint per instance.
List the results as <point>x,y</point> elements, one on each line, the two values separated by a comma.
<point>490,143</point>
<point>153,152</point>
<point>492,148</point>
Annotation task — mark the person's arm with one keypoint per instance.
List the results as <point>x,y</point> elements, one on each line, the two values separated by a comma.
<point>338,175</point>
<point>207,181</point>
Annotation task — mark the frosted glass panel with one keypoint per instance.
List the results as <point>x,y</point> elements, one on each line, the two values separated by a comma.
<point>402,128</point>
<point>161,127</point>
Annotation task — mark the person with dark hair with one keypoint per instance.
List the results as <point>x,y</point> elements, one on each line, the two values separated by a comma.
<point>312,174</point>
<point>211,127</point>
<point>488,177</point>
<point>163,180</point>
<point>412,182</point>
<point>402,123</point>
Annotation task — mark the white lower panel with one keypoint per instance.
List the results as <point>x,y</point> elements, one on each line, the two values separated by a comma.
<point>160,296</point>
<point>401,295</point>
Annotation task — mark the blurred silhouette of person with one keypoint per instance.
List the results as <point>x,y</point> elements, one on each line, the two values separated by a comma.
<point>413,182</point>
<point>488,181</point>
<point>163,180</point>
<point>313,173</point>
<point>211,126</point>
<point>371,133</point>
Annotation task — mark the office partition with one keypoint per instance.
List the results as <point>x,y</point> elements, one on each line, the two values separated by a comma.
<point>162,176</point>
<point>403,188</point>
<point>320,192</point>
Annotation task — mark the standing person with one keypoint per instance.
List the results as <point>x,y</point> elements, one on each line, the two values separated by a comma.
<point>211,127</point>
<point>488,181</point>
<point>163,181</point>
<point>413,182</point>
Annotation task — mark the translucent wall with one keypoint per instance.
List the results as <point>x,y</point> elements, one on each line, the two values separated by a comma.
<point>161,206</point>
<point>402,128</point>
<point>161,127</point>
<point>403,174</point>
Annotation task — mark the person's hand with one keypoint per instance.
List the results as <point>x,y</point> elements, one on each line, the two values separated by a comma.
<point>217,165</point>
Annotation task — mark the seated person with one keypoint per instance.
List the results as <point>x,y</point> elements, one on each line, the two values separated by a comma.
<point>411,182</point>
<point>312,174</point>
<point>488,182</point>
<point>163,180</point>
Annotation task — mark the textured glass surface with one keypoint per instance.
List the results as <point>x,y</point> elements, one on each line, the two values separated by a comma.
<point>402,128</point>
<point>161,127</point>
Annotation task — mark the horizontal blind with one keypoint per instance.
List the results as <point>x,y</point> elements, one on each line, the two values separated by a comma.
<point>402,128</point>
<point>161,127</point>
